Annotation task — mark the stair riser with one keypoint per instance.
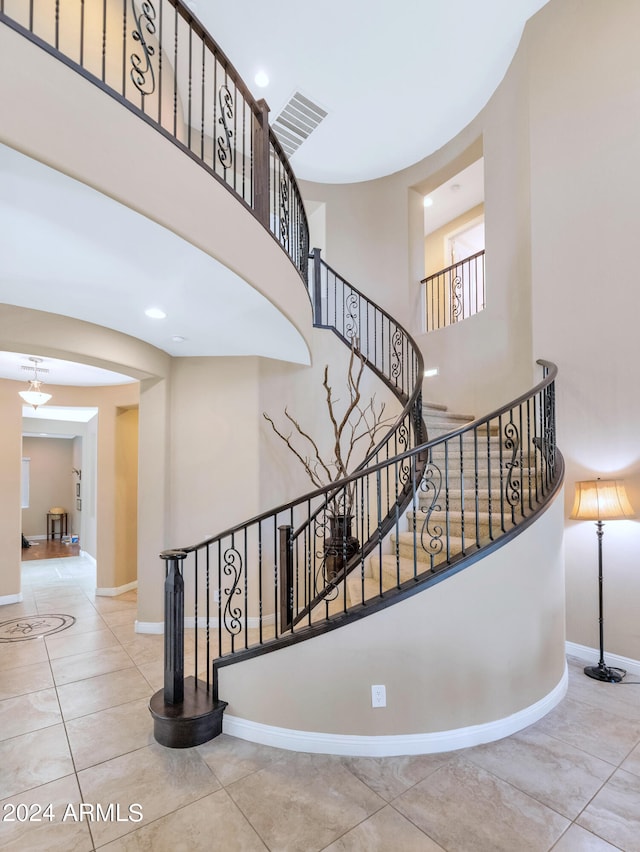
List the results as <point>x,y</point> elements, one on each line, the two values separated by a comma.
<point>389,570</point>
<point>484,478</point>
<point>456,526</point>
<point>422,555</point>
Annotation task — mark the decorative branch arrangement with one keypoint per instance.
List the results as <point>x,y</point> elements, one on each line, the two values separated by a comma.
<point>358,426</point>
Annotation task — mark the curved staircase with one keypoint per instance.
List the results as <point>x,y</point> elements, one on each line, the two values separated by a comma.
<point>421,509</point>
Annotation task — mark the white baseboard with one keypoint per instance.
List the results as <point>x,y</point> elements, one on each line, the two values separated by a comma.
<point>395,745</point>
<point>88,556</point>
<point>118,590</point>
<point>592,655</point>
<point>154,627</point>
<point>11,599</point>
<point>36,537</point>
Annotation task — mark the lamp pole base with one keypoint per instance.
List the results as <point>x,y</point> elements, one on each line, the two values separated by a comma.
<point>605,673</point>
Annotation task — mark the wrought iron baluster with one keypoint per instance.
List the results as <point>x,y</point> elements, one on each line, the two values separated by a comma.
<point>511,441</point>
<point>220,612</point>
<point>104,39</point>
<point>225,137</point>
<point>190,87</point>
<point>203,83</point>
<point>195,611</point>
<point>260,589</point>
<point>208,615</point>
<point>462,529</point>
<point>246,590</point>
<point>142,73</point>
<point>160,54</point>
<point>123,81</point>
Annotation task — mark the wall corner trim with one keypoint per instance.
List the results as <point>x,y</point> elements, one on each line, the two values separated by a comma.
<point>11,599</point>
<point>155,627</point>
<point>117,590</point>
<point>395,745</point>
<point>590,657</point>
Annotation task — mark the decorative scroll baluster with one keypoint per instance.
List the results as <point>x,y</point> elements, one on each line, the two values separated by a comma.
<point>284,212</point>
<point>232,567</point>
<point>456,298</point>
<point>431,534</point>
<point>513,480</point>
<point>142,73</point>
<point>396,355</point>
<point>223,140</point>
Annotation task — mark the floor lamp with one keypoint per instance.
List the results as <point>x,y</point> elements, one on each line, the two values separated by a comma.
<point>602,500</point>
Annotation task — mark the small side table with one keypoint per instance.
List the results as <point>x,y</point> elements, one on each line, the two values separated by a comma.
<point>52,519</point>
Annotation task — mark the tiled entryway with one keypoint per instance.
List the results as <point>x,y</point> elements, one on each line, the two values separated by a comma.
<point>75,727</point>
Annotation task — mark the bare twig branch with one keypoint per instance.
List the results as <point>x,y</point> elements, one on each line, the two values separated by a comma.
<point>358,423</point>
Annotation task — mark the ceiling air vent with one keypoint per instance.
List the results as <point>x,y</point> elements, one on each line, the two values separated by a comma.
<point>296,122</point>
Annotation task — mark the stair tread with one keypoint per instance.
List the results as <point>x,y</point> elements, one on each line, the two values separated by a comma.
<point>447,415</point>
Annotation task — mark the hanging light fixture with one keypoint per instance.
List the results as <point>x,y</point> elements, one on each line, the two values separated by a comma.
<point>34,395</point>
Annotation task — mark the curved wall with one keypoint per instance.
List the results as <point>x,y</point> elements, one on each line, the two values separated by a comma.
<point>53,114</point>
<point>560,141</point>
<point>485,645</point>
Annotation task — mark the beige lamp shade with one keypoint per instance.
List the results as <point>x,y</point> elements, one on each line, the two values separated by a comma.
<point>601,500</point>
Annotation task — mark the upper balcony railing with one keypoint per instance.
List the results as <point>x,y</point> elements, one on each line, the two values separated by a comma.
<point>454,293</point>
<point>157,59</point>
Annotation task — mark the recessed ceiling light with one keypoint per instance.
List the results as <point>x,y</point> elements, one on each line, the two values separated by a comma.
<point>432,372</point>
<point>428,201</point>
<point>177,338</point>
<point>261,79</point>
<point>155,313</point>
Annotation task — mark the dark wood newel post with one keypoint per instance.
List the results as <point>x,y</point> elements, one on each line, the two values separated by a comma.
<point>286,577</point>
<point>261,163</point>
<point>185,713</point>
<point>173,627</point>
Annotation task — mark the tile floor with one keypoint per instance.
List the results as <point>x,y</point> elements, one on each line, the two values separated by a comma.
<point>74,727</point>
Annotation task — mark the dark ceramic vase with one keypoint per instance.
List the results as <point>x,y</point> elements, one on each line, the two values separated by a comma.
<point>340,546</point>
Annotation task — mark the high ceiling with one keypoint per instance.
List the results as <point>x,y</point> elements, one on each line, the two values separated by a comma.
<point>397,81</point>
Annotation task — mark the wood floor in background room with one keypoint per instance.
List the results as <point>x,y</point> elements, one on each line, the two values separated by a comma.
<point>48,549</point>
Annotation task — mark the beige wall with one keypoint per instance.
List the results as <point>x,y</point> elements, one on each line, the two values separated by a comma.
<point>560,141</point>
<point>585,183</point>
<point>10,513</point>
<point>375,238</point>
<point>435,258</point>
<point>51,482</point>
<point>126,496</point>
<point>444,665</point>
<point>214,469</point>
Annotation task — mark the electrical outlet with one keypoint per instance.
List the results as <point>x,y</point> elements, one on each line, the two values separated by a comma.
<point>378,696</point>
